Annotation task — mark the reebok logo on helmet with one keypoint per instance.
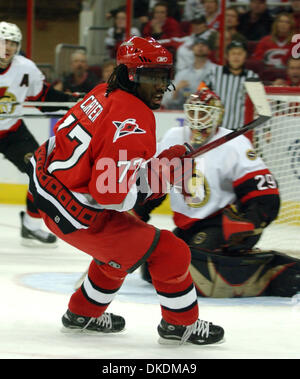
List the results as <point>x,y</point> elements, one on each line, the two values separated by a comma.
<point>161,59</point>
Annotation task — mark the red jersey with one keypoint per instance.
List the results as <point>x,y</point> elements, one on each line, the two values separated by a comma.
<point>273,53</point>
<point>100,144</point>
<point>83,178</point>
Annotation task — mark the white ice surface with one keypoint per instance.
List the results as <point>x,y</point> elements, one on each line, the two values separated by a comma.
<point>36,285</point>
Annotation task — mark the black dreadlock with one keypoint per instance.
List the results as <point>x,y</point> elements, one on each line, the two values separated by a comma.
<point>119,79</point>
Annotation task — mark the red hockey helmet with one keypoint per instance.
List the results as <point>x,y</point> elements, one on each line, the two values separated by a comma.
<point>142,53</point>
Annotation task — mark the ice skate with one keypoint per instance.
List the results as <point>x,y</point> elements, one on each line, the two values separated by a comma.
<point>199,333</point>
<point>106,323</point>
<point>36,238</point>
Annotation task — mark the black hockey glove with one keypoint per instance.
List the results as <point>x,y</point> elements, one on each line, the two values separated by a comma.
<point>143,209</point>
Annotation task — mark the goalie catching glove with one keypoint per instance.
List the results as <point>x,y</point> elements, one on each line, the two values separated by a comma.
<point>170,167</point>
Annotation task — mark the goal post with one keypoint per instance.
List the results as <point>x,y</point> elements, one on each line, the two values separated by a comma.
<point>278,143</point>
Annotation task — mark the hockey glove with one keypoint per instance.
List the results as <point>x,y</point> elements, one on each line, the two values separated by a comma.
<point>236,227</point>
<point>142,210</point>
<point>170,168</point>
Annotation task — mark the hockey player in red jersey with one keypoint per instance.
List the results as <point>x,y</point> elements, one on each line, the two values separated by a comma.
<point>84,180</point>
<point>233,197</point>
<point>20,80</point>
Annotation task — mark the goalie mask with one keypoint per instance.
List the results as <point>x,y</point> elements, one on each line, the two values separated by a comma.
<point>204,114</point>
<point>11,32</point>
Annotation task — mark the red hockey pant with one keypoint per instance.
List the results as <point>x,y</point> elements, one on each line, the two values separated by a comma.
<point>117,243</point>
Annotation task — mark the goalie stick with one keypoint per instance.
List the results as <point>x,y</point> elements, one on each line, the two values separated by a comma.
<point>257,94</point>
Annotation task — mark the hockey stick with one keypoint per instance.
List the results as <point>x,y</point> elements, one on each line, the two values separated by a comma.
<point>257,94</point>
<point>40,103</point>
<point>80,280</point>
<point>42,115</point>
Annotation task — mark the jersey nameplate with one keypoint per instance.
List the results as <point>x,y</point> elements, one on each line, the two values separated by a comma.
<point>92,108</point>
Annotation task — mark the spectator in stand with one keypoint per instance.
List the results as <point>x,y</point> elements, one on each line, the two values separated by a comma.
<point>140,12</point>
<point>161,26</point>
<point>231,32</point>
<point>257,22</point>
<point>294,9</point>
<point>292,73</point>
<point>117,33</point>
<point>174,8</point>
<point>80,78</point>
<point>192,9</point>
<point>212,14</point>
<point>184,54</point>
<point>107,69</point>
<point>231,25</point>
<point>275,48</point>
<point>187,81</point>
<point>228,83</point>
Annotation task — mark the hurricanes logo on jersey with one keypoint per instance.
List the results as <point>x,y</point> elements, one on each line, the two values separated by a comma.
<point>127,127</point>
<point>274,57</point>
<point>7,100</point>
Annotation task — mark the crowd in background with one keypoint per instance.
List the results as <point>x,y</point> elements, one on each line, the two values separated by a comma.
<point>192,33</point>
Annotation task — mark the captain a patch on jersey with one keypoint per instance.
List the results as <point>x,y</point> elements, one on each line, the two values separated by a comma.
<point>127,127</point>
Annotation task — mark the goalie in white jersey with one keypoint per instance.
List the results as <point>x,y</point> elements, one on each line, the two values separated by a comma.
<point>232,197</point>
<point>20,80</point>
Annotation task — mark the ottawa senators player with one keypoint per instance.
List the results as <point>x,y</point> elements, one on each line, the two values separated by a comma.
<point>84,181</point>
<point>233,197</point>
<point>21,80</point>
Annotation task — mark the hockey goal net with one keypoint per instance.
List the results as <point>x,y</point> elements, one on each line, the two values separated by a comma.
<point>278,143</point>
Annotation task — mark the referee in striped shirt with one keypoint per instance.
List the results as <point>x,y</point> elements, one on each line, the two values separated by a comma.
<point>228,82</point>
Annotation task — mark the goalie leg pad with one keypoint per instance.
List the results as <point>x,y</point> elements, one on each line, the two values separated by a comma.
<point>286,279</point>
<point>222,276</point>
<point>254,274</point>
